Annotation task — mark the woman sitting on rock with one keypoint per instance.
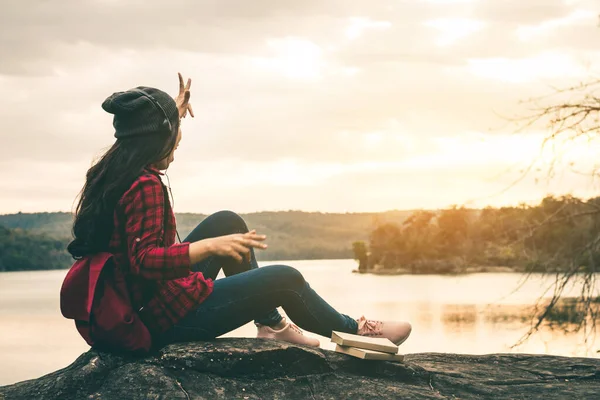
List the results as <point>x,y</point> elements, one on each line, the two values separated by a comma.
<point>124,209</point>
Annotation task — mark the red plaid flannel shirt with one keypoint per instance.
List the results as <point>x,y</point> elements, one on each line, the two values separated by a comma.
<point>159,276</point>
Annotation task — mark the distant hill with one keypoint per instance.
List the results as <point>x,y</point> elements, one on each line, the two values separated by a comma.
<point>55,224</point>
<point>292,235</point>
<point>22,250</point>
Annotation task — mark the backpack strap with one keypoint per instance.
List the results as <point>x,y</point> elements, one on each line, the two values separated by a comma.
<point>97,264</point>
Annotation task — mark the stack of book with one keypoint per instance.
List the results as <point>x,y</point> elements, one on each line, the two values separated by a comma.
<point>364,347</point>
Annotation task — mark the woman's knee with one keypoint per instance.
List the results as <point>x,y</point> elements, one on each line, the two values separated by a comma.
<point>287,277</point>
<point>230,221</point>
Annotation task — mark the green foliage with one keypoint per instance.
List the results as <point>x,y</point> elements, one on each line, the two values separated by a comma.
<point>291,235</point>
<point>360,250</point>
<point>558,234</point>
<point>361,255</point>
<point>56,225</point>
<point>24,251</point>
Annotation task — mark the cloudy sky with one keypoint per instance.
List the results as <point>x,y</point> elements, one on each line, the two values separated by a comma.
<point>329,105</point>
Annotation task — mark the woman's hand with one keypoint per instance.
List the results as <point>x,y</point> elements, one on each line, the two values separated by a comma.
<point>237,245</point>
<point>183,98</point>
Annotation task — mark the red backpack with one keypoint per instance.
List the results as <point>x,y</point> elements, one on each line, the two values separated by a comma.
<point>94,294</point>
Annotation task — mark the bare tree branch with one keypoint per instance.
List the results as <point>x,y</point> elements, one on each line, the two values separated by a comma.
<point>567,114</point>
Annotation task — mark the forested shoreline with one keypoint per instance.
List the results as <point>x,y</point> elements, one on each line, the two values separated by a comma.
<point>292,235</point>
<point>554,236</point>
<point>21,250</point>
<point>546,237</point>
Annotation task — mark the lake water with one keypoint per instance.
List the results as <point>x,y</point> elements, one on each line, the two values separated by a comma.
<point>477,314</point>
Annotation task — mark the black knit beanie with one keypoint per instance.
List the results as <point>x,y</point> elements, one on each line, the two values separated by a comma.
<point>142,111</point>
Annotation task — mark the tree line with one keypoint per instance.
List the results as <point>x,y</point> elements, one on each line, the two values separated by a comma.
<point>291,235</point>
<point>21,250</point>
<point>551,236</point>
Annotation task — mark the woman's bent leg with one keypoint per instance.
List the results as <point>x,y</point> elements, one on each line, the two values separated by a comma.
<point>238,299</point>
<point>220,224</point>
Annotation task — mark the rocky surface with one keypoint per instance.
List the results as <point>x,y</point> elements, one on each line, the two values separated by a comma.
<point>263,369</point>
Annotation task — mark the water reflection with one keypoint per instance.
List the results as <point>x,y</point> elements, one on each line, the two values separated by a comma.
<point>456,316</point>
<point>566,315</point>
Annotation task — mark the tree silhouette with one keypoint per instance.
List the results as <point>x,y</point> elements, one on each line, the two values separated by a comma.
<point>568,114</point>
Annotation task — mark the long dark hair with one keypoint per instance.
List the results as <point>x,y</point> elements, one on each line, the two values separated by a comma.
<point>106,181</point>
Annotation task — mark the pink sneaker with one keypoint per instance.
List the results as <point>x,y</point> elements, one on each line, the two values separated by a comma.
<point>397,332</point>
<point>289,333</point>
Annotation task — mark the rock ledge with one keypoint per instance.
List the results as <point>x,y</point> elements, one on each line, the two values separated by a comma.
<point>264,369</point>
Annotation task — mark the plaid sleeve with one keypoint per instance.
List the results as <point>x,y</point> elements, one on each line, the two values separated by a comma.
<point>144,206</point>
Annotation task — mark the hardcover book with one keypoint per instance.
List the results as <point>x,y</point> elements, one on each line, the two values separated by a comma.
<point>368,354</point>
<point>364,342</point>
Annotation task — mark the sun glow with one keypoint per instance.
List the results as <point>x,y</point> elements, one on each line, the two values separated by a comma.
<point>358,25</point>
<point>547,65</point>
<point>295,58</point>
<point>453,29</point>
<point>576,17</point>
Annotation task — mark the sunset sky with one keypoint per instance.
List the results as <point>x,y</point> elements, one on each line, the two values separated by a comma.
<point>316,105</point>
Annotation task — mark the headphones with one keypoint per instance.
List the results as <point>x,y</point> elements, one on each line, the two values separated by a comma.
<point>166,122</point>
